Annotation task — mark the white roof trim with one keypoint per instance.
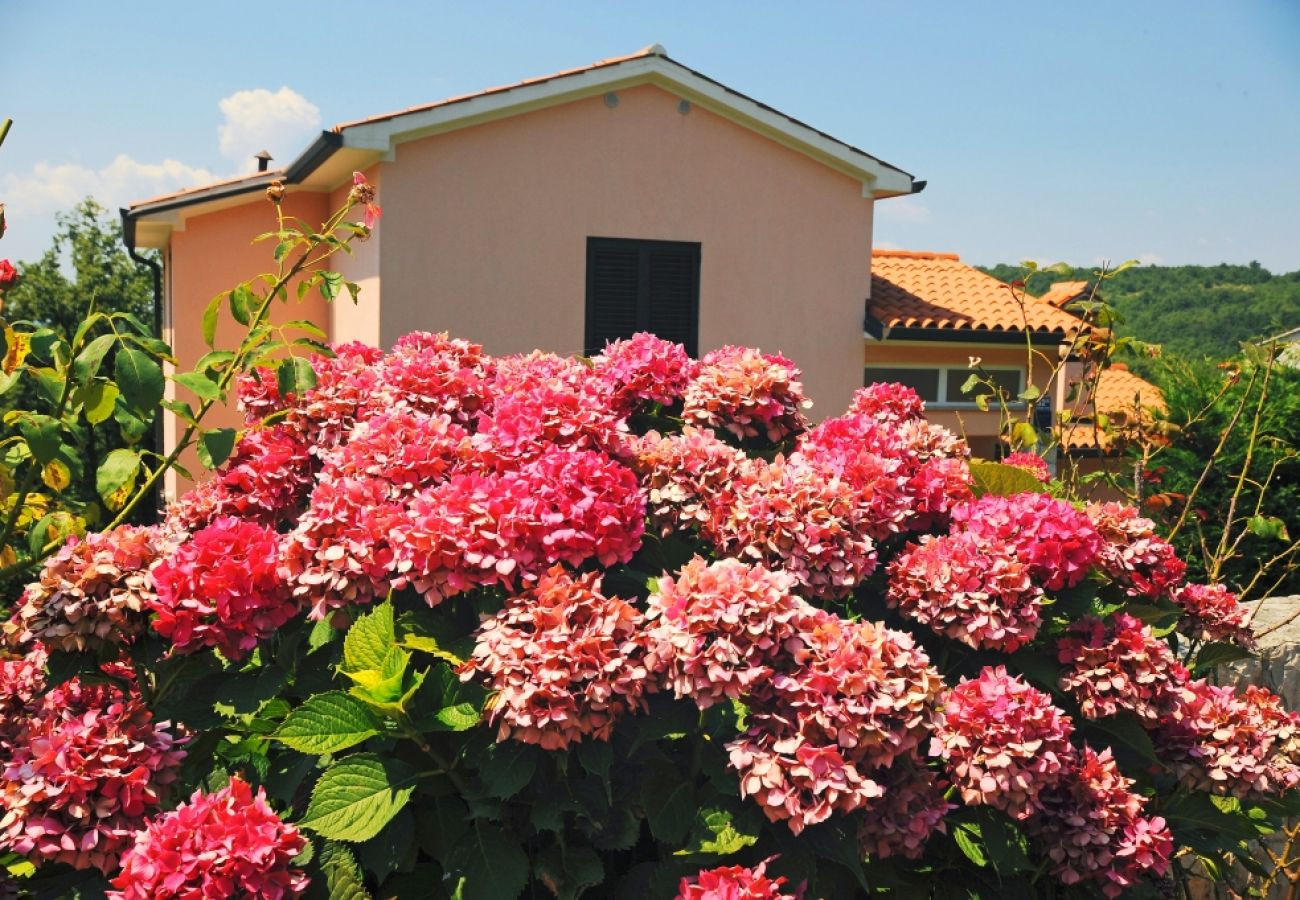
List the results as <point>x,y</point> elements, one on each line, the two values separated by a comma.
<point>879,179</point>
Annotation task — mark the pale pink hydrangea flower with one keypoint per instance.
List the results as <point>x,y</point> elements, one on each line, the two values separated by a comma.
<point>1119,665</point>
<point>229,843</point>
<point>716,630</point>
<point>643,369</point>
<point>435,375</point>
<point>565,662</point>
<point>341,551</point>
<point>736,883</point>
<point>88,764</point>
<point>92,593</point>
<point>223,588</point>
<point>748,394</point>
<point>789,516</point>
<point>1131,551</point>
<point>1031,462</point>
<point>1058,542</point>
<point>267,479</point>
<point>1245,744</point>
<point>1213,613</point>
<point>1090,825</point>
<point>913,808</point>
<point>887,402</point>
<point>967,589</point>
<point>685,476</point>
<point>1003,741</point>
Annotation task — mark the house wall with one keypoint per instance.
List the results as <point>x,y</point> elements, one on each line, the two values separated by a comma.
<point>486,231</point>
<point>359,321</point>
<point>211,255</point>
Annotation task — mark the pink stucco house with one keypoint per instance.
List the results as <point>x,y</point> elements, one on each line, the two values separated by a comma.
<point>634,193</point>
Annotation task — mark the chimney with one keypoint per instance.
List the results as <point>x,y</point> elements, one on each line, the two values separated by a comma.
<point>263,161</point>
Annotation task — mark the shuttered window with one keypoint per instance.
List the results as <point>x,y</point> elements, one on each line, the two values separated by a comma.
<point>636,286</point>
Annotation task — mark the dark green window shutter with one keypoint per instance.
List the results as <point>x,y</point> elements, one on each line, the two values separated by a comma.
<point>636,286</point>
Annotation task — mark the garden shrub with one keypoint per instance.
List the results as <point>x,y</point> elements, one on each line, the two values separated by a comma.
<point>453,625</point>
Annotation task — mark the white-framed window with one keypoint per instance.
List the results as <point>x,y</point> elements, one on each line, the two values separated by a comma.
<point>940,386</point>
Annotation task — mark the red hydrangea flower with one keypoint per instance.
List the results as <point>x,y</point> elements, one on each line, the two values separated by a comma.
<point>435,375</point>
<point>566,662</point>
<point>92,593</point>
<point>1119,665</point>
<point>643,369</point>
<point>858,697</point>
<point>716,630</point>
<point>406,449</point>
<point>685,476</point>
<point>1131,551</point>
<point>736,883</point>
<point>88,765</point>
<point>22,680</point>
<point>1213,613</point>
<point>747,393</point>
<point>222,588</point>
<point>542,401</point>
<point>267,479</point>
<point>789,516</point>
<point>1058,541</point>
<point>1031,462</point>
<point>342,552</point>
<point>1090,826</point>
<point>967,589</point>
<point>912,809</point>
<point>1247,745</point>
<point>229,843</point>
<point>1003,741</point>
<point>887,402</point>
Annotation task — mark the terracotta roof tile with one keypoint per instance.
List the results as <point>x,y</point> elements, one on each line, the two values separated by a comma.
<point>1062,292</point>
<point>915,289</point>
<point>1119,395</point>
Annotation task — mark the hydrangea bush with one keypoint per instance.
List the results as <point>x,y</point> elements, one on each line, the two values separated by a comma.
<point>450,625</point>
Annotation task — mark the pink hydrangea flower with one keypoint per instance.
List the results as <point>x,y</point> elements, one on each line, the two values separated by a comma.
<point>1057,541</point>
<point>229,843</point>
<point>258,393</point>
<point>222,588</point>
<point>88,765</point>
<point>1213,613</point>
<point>747,393</point>
<point>346,389</point>
<point>736,883</point>
<point>92,593</point>
<point>1091,827</point>
<point>22,680</point>
<point>822,733</point>
<point>789,516</point>
<point>1119,665</point>
<point>913,808</point>
<point>968,589</point>
<point>1031,462</point>
<point>887,402</point>
<point>1131,551</point>
<point>1245,744</point>
<point>435,375</point>
<point>1003,741</point>
<point>542,401</point>
<point>685,476</point>
<point>565,661</point>
<point>717,630</point>
<point>267,479</point>
<point>406,449</point>
<point>341,551</point>
<point>643,369</point>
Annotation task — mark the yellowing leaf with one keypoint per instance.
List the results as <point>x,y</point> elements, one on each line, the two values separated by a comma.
<point>56,475</point>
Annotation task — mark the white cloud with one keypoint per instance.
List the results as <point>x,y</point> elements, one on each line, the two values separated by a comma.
<point>52,187</point>
<point>903,210</point>
<point>281,122</point>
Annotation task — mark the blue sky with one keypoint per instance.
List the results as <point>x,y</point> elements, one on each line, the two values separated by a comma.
<point>1168,131</point>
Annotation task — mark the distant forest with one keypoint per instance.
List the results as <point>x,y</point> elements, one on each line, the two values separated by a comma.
<point>1194,311</point>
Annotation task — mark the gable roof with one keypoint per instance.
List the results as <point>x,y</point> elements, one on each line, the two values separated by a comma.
<point>1062,292</point>
<point>1126,399</point>
<point>362,142</point>
<point>920,295</point>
